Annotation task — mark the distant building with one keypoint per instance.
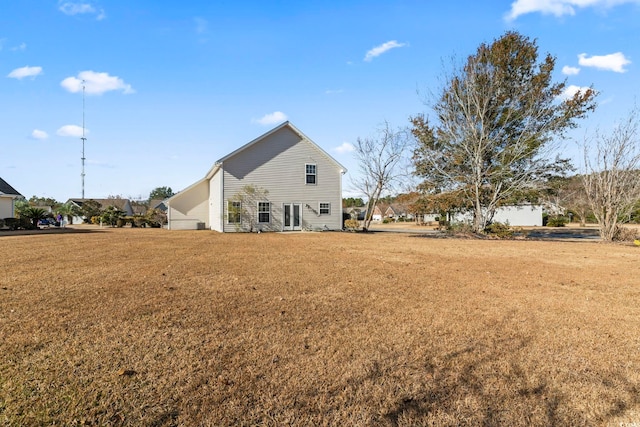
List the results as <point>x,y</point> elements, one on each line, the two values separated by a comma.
<point>8,195</point>
<point>122,204</point>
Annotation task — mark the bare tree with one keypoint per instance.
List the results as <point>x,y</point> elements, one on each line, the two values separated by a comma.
<point>612,179</point>
<point>568,194</point>
<point>382,163</point>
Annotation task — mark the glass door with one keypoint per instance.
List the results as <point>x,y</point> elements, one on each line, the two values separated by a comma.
<point>292,216</point>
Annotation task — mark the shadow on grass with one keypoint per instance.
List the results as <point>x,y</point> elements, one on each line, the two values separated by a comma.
<point>474,387</point>
<point>493,381</point>
<point>44,231</point>
<point>543,233</point>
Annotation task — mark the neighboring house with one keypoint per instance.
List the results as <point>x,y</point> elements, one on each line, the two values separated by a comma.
<point>122,204</point>
<point>139,208</point>
<point>392,212</point>
<point>519,216</point>
<point>303,182</point>
<point>525,215</point>
<point>143,208</point>
<point>355,212</point>
<point>377,214</point>
<point>45,208</point>
<point>8,195</point>
<point>158,204</point>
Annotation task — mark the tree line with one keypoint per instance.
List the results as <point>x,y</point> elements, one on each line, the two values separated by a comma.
<point>30,212</point>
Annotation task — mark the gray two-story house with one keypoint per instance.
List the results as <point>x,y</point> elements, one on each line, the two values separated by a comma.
<point>280,181</point>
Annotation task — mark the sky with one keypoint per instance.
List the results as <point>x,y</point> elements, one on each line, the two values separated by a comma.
<point>162,90</point>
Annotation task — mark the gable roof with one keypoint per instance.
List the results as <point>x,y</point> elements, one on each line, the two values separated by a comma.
<point>158,204</point>
<point>122,204</point>
<point>286,124</point>
<point>5,188</point>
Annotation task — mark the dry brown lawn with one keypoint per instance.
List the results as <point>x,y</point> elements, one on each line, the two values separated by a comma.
<point>156,328</point>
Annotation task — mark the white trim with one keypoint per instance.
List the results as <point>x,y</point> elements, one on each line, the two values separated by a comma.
<point>307,174</point>
<point>320,208</point>
<point>292,226</point>
<point>239,212</point>
<point>258,212</point>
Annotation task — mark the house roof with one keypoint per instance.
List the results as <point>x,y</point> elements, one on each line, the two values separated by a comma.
<point>118,203</point>
<point>5,188</point>
<point>286,124</point>
<point>157,204</point>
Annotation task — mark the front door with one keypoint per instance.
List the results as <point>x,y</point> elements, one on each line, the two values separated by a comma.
<point>292,216</point>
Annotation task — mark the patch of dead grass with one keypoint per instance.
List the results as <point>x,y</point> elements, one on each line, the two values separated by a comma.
<point>149,327</point>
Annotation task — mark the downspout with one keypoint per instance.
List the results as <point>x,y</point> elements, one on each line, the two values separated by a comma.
<point>168,216</point>
<point>340,221</point>
<point>222,219</point>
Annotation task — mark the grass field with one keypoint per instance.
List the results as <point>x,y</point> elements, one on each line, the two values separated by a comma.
<point>156,328</point>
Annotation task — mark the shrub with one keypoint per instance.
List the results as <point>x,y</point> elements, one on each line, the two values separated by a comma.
<point>139,221</point>
<point>557,221</point>
<point>11,223</point>
<point>352,224</point>
<point>625,234</point>
<point>18,223</point>
<point>500,230</point>
<point>442,223</point>
<point>456,227</point>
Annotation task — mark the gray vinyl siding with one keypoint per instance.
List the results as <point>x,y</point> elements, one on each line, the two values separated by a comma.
<point>6,207</point>
<point>277,164</point>
<point>216,219</point>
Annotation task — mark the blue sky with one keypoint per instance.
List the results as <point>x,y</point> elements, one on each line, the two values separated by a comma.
<point>170,87</point>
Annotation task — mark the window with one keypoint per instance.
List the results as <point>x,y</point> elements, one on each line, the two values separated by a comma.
<point>233,212</point>
<point>264,212</point>
<point>325,208</point>
<point>310,173</point>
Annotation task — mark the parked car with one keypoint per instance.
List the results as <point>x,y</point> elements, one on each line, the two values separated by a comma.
<point>48,222</point>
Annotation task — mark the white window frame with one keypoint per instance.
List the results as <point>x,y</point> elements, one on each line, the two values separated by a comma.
<point>230,212</point>
<point>268,212</point>
<point>328,208</point>
<point>307,174</point>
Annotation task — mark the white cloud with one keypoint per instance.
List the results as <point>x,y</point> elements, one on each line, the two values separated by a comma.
<point>612,62</point>
<point>272,118</point>
<point>344,148</point>
<point>384,47</point>
<point>333,91</point>
<point>20,73</point>
<point>95,83</point>
<point>39,134</point>
<point>558,7</point>
<point>571,90</point>
<point>201,25</point>
<point>22,46</point>
<point>75,8</point>
<point>71,130</point>
<point>570,71</point>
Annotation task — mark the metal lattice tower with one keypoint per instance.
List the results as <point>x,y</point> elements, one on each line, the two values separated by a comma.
<point>83,141</point>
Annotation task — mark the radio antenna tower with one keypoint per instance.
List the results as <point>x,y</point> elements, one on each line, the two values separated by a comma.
<point>83,140</point>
